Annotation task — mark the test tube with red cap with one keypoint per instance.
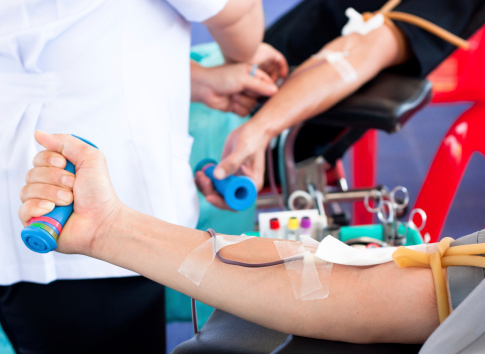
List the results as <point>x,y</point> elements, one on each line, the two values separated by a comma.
<point>275,228</point>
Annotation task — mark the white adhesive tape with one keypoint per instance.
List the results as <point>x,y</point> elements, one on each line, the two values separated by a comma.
<point>196,264</point>
<point>335,251</point>
<point>338,61</point>
<point>309,280</point>
<point>356,23</point>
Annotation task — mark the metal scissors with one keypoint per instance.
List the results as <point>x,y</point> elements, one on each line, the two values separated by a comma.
<point>386,211</point>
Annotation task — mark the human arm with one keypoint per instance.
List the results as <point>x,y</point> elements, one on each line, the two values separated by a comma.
<point>238,29</point>
<point>304,96</point>
<point>374,304</point>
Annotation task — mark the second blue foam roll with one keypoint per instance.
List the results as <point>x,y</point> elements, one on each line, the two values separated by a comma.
<point>239,192</point>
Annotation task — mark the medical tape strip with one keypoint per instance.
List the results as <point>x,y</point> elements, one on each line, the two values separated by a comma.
<point>357,24</point>
<point>324,269</point>
<point>309,280</point>
<point>339,63</point>
<point>196,264</point>
<point>335,251</point>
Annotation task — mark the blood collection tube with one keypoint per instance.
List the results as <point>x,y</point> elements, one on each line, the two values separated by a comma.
<point>275,228</point>
<point>292,229</point>
<point>305,226</point>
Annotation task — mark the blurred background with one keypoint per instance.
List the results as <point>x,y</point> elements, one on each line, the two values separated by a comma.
<point>403,159</point>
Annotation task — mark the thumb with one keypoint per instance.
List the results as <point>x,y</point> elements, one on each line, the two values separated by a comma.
<point>229,165</point>
<point>72,148</point>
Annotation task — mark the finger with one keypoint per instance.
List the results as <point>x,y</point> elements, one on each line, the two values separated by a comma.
<point>71,147</point>
<point>49,175</point>
<point>50,159</point>
<point>204,183</point>
<point>58,195</point>
<point>263,75</point>
<point>206,187</point>
<point>33,208</point>
<point>229,165</point>
<point>245,101</point>
<point>240,110</point>
<point>282,64</point>
<point>260,86</point>
<point>217,201</point>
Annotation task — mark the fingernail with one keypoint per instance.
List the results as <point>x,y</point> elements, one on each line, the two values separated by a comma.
<point>273,88</point>
<point>65,196</point>
<point>68,181</point>
<point>219,173</point>
<point>46,205</point>
<point>56,161</point>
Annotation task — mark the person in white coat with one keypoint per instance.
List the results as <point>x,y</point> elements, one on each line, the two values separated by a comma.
<point>115,73</point>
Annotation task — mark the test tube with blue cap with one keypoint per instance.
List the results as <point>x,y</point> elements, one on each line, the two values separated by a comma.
<point>42,232</point>
<point>239,192</point>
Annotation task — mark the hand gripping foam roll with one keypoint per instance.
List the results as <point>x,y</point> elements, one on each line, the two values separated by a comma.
<point>42,233</point>
<point>239,192</point>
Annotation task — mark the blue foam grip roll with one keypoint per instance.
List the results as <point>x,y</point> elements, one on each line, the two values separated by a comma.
<point>41,237</point>
<point>239,192</point>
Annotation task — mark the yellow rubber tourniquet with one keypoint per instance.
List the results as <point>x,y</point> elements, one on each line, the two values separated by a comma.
<point>466,255</point>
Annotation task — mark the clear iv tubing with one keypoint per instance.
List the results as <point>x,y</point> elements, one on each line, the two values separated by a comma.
<point>232,262</point>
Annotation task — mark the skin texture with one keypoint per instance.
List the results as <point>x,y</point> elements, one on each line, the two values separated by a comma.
<point>366,304</point>
<point>238,29</point>
<point>301,98</point>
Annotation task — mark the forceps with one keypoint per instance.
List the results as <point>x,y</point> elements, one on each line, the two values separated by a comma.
<point>386,211</point>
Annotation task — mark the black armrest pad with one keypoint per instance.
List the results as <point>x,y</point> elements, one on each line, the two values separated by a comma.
<point>225,333</point>
<point>385,103</point>
<point>295,344</point>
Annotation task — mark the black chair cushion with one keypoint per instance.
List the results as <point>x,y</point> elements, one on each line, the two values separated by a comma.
<point>225,333</point>
<point>385,103</point>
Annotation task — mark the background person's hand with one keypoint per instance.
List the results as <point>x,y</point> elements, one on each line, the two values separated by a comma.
<point>95,201</point>
<point>230,87</point>
<point>243,154</point>
<point>270,61</point>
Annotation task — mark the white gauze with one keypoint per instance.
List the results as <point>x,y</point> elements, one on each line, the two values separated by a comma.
<point>335,251</point>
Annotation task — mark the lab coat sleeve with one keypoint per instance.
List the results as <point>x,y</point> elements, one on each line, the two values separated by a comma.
<point>198,10</point>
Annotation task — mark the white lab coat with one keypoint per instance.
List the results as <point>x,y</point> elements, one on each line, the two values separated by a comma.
<point>115,72</point>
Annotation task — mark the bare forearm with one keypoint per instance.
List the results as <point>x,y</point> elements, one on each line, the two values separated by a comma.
<point>238,29</point>
<point>378,304</point>
<point>318,89</point>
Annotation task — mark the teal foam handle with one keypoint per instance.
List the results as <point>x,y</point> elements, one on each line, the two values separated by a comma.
<point>41,236</point>
<point>239,192</point>
<point>376,231</point>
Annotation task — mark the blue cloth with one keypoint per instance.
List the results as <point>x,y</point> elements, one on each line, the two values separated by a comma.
<point>209,128</point>
<point>5,347</point>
